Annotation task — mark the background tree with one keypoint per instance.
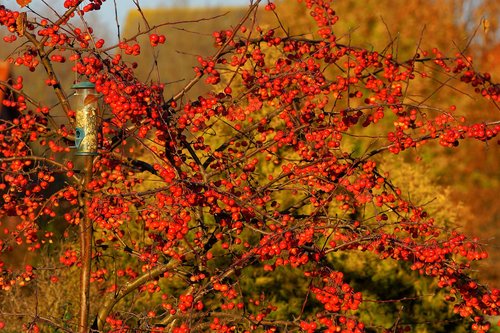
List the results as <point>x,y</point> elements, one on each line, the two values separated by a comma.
<point>198,209</point>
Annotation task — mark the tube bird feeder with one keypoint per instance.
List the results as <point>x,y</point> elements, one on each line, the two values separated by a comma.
<point>86,118</point>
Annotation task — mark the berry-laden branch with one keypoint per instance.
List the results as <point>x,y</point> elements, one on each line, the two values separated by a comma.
<point>261,205</point>
<point>128,288</point>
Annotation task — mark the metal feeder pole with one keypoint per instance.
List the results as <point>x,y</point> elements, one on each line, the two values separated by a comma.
<point>86,145</point>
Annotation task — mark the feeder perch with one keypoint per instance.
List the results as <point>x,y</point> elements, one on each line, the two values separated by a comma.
<point>86,118</point>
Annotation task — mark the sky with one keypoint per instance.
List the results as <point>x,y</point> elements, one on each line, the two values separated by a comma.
<point>106,16</point>
<point>124,6</point>
<point>107,12</point>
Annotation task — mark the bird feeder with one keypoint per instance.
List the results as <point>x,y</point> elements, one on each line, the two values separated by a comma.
<point>86,118</point>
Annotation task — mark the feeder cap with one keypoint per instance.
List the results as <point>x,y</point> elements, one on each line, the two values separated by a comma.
<point>83,85</point>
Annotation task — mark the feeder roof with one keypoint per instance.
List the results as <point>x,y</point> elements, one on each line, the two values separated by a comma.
<point>83,85</point>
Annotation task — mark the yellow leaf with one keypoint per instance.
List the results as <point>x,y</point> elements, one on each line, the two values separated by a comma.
<point>21,23</point>
<point>486,25</point>
<point>23,3</point>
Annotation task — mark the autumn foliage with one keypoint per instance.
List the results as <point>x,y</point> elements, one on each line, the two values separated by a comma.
<point>276,173</point>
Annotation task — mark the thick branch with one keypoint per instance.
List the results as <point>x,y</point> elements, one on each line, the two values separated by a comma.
<point>128,288</point>
<point>86,251</point>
